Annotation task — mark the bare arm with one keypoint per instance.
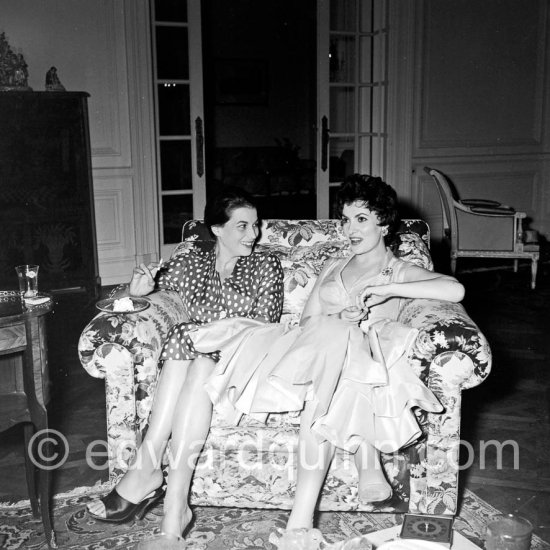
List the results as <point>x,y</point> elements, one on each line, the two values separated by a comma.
<point>143,279</point>
<point>420,283</point>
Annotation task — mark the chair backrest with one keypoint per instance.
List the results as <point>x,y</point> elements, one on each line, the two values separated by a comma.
<point>448,203</point>
<point>303,246</point>
<point>476,225</point>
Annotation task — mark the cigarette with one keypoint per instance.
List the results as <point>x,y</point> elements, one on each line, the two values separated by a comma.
<point>157,268</point>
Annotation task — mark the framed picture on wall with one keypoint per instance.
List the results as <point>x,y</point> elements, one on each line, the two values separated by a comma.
<point>241,81</point>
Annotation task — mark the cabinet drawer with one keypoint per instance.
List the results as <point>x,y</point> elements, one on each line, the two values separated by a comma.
<point>12,337</point>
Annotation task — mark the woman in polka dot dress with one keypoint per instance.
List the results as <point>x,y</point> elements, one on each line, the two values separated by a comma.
<point>231,281</point>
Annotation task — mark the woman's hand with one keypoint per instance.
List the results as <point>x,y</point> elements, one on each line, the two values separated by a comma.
<point>374,295</point>
<point>143,279</point>
<point>352,314</point>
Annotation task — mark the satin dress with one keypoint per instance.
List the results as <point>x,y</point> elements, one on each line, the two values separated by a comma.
<point>356,376</point>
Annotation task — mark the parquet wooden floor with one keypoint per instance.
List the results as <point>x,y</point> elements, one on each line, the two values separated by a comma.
<point>512,406</point>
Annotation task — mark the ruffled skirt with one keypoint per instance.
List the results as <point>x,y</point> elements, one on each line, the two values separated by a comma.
<point>359,383</point>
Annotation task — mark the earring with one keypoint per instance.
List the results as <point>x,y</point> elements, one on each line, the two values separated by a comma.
<point>384,232</point>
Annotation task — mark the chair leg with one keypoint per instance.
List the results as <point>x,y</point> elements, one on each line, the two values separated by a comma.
<point>516,263</point>
<point>534,267</point>
<point>45,480</point>
<point>453,266</point>
<point>30,470</point>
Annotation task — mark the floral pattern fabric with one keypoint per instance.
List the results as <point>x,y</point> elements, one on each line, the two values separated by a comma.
<point>253,465</point>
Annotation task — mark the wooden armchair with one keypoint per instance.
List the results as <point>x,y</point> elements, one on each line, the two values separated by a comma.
<point>479,228</point>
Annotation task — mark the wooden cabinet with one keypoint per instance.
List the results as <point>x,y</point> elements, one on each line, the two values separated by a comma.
<point>46,193</point>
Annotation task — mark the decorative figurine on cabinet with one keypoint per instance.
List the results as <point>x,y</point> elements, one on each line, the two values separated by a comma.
<point>52,81</point>
<point>13,68</point>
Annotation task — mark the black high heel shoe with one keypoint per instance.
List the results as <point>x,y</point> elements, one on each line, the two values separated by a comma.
<point>120,510</point>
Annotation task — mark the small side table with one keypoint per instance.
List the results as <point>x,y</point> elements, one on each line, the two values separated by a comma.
<point>24,388</point>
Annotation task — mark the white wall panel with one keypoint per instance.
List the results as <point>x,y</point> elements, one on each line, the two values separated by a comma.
<point>481,105</point>
<point>109,107</point>
<point>482,87</point>
<point>85,40</point>
<point>115,227</point>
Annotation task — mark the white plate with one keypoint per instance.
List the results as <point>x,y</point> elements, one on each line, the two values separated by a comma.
<point>108,303</point>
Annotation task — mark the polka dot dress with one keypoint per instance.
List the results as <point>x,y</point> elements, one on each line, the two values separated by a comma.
<point>254,290</point>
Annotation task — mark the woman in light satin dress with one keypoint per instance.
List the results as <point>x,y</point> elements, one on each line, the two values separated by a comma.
<point>346,363</point>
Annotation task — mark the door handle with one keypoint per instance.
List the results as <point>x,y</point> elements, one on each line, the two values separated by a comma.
<point>199,142</point>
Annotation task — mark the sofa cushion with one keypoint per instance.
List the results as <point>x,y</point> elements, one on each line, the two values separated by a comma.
<point>413,248</point>
<point>303,246</point>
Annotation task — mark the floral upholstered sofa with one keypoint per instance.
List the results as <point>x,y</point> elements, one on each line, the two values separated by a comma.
<point>253,465</point>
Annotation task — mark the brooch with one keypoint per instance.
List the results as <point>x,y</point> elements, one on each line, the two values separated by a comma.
<point>387,271</point>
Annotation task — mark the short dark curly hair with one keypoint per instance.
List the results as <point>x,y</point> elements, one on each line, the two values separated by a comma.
<point>219,208</point>
<point>378,196</point>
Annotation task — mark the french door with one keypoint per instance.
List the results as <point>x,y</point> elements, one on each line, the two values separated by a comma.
<point>179,112</point>
<point>352,42</point>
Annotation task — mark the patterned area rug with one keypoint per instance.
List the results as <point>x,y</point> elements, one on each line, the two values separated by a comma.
<point>213,528</point>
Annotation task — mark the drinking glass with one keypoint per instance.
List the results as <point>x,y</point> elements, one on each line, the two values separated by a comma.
<point>27,276</point>
<point>508,532</point>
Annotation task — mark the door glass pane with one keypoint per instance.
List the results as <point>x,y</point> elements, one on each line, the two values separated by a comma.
<point>174,109</point>
<point>380,19</point>
<point>172,53</point>
<point>176,210</point>
<point>365,114</point>
<point>175,165</point>
<point>379,109</point>
<point>379,55</point>
<point>366,59</point>
<point>372,152</point>
<point>342,59</point>
<point>342,110</point>
<point>343,15</point>
<point>365,154</point>
<point>171,10</point>
<point>365,16</point>
<point>342,158</point>
<point>378,156</point>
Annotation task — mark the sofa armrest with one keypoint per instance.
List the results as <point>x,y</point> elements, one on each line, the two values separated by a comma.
<point>450,350</point>
<point>124,350</point>
<point>450,354</point>
<point>141,334</point>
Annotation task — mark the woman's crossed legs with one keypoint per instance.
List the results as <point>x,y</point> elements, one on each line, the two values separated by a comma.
<point>183,410</point>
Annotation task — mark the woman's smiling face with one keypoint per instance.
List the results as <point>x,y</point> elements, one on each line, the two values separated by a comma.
<point>238,234</point>
<point>360,225</point>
